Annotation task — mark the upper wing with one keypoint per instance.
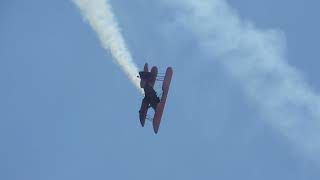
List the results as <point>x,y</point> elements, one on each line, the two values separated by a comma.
<point>160,106</point>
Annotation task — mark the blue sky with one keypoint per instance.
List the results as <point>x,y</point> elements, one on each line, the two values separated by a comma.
<point>68,111</point>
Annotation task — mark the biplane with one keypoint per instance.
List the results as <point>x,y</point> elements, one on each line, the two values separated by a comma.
<point>151,98</point>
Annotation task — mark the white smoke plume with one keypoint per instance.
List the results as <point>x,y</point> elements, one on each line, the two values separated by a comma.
<point>256,59</point>
<point>101,18</point>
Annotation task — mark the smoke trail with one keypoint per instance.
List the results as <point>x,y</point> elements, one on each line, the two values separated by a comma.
<point>256,59</point>
<point>100,17</point>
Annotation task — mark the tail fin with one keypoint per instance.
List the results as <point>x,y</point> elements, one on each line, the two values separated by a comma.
<point>145,68</point>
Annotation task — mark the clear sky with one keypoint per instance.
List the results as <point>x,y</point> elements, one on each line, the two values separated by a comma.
<point>67,111</point>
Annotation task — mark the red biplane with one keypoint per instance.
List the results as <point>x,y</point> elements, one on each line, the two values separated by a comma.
<point>151,99</point>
